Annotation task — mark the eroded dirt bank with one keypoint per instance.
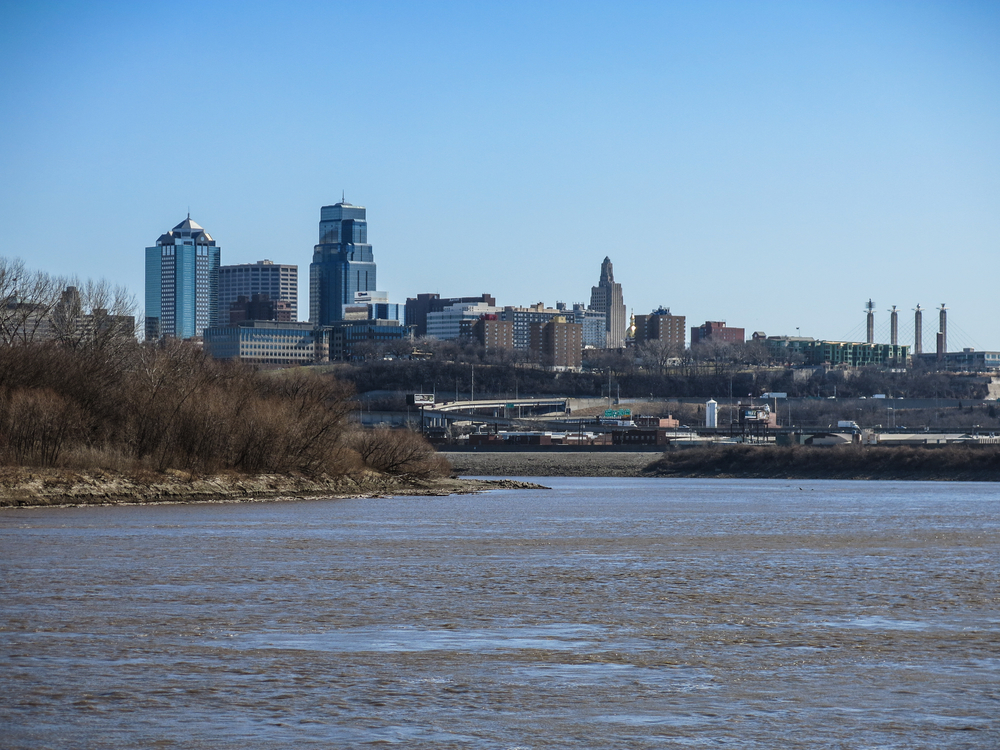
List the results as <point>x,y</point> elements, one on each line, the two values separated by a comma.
<point>21,487</point>
<point>551,463</point>
<point>944,463</point>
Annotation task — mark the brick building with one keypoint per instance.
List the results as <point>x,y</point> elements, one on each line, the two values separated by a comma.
<point>716,331</point>
<point>661,325</point>
<point>558,344</point>
<point>490,331</point>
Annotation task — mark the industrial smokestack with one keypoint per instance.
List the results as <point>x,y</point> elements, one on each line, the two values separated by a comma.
<point>870,307</point>
<point>943,328</point>
<point>918,330</point>
<point>894,327</point>
<point>940,346</point>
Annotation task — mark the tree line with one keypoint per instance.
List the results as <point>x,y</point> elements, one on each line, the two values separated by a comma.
<point>77,390</point>
<point>457,369</point>
<point>170,406</point>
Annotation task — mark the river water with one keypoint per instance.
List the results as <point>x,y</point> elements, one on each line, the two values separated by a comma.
<point>604,613</point>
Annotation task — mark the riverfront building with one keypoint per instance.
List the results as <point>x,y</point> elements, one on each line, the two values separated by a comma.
<point>182,283</point>
<point>809,351</point>
<point>343,263</point>
<point>967,360</point>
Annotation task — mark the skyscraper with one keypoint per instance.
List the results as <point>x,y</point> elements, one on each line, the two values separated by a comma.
<point>280,282</point>
<point>342,262</point>
<point>606,297</point>
<point>182,283</point>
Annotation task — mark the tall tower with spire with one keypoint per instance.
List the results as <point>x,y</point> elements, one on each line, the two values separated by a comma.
<point>343,263</point>
<point>182,283</point>
<point>607,298</point>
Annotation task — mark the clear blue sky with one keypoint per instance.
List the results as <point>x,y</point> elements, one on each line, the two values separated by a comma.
<point>771,164</point>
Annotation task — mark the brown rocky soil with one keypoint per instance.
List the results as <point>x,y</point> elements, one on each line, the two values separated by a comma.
<point>551,463</point>
<point>944,463</point>
<point>33,487</point>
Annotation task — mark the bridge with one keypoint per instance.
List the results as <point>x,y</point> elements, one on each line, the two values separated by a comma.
<point>507,408</point>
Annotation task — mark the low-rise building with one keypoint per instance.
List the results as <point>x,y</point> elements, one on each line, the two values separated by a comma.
<point>967,360</point>
<point>65,322</point>
<point>808,351</point>
<point>262,342</point>
<point>716,331</point>
<point>340,340</point>
<point>374,306</point>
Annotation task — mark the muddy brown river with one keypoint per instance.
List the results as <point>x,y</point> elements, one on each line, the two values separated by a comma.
<point>604,613</point>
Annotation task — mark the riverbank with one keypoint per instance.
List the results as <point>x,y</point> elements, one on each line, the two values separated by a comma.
<point>568,463</point>
<point>22,487</point>
<point>954,463</point>
<point>939,463</point>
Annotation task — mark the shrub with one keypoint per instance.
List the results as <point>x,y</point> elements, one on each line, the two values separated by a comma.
<point>399,452</point>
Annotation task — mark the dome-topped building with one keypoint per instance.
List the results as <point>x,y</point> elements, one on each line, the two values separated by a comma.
<point>182,282</point>
<point>186,230</point>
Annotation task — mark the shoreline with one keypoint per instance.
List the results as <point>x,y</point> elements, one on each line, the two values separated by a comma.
<point>22,487</point>
<point>567,463</point>
<point>944,463</point>
<point>38,488</point>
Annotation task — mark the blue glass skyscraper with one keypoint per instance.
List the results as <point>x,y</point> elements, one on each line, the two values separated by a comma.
<point>342,262</point>
<point>182,283</point>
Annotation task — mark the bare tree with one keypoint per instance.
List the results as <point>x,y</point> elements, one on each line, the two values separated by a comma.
<point>657,354</point>
<point>27,299</point>
<point>398,452</point>
<point>36,306</point>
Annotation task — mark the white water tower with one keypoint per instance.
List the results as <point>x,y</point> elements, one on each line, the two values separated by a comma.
<point>711,413</point>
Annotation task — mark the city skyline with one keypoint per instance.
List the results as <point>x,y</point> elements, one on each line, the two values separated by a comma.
<point>769,165</point>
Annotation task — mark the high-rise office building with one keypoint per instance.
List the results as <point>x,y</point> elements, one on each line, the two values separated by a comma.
<point>606,297</point>
<point>182,283</point>
<point>278,281</point>
<point>342,262</point>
